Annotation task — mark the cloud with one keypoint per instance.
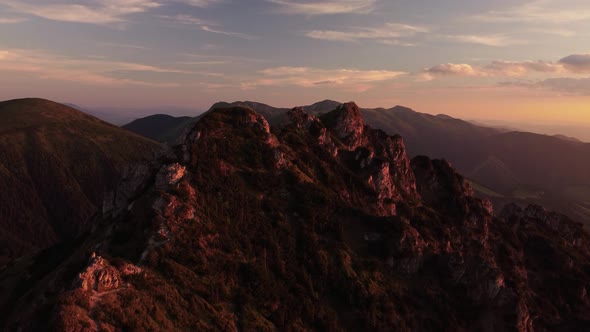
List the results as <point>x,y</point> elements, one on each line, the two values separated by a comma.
<point>325,7</point>
<point>520,68</point>
<point>496,68</point>
<point>577,63</point>
<point>358,80</point>
<point>200,3</point>
<point>185,19</point>
<point>90,11</point>
<point>525,71</point>
<point>92,71</point>
<point>12,20</point>
<point>206,26</point>
<point>540,11</point>
<point>554,31</point>
<point>390,33</point>
<point>127,46</point>
<point>452,69</point>
<point>228,33</point>
<point>5,55</point>
<point>563,85</point>
<point>487,40</point>
<point>223,58</point>
<point>578,86</point>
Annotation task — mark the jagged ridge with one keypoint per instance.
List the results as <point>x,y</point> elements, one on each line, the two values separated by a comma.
<point>321,224</point>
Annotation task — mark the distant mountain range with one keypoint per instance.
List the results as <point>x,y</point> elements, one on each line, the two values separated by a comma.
<point>579,132</point>
<point>56,165</point>
<point>161,127</point>
<point>124,115</point>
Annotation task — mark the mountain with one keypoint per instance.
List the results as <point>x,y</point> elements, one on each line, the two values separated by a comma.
<point>321,107</point>
<point>578,131</point>
<point>567,138</point>
<point>440,136</point>
<point>56,163</point>
<point>123,115</point>
<point>320,224</point>
<point>161,127</point>
<point>166,128</point>
<point>522,167</point>
<point>274,115</point>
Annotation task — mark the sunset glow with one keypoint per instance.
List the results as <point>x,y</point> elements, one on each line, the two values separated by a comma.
<point>515,60</point>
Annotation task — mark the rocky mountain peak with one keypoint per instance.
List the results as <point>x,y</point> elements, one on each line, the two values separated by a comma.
<point>222,122</point>
<point>300,118</point>
<point>347,123</point>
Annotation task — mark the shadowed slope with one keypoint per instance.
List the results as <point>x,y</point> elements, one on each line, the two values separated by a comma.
<point>161,127</point>
<point>56,163</point>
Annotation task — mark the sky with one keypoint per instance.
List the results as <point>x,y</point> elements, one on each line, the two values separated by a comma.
<point>520,60</point>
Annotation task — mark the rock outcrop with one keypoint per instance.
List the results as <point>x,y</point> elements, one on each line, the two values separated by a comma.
<point>99,276</point>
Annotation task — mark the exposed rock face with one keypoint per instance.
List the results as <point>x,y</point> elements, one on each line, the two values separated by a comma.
<point>348,124</point>
<point>572,233</point>
<point>439,184</point>
<point>169,175</point>
<point>321,224</point>
<point>99,276</point>
<point>300,119</point>
<point>380,159</point>
<point>132,180</point>
<point>312,124</point>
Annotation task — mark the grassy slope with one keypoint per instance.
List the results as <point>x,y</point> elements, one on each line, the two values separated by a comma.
<point>160,127</point>
<point>56,163</point>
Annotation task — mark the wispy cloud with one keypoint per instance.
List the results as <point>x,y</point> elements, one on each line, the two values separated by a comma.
<point>127,46</point>
<point>494,69</point>
<point>354,79</point>
<point>91,71</point>
<point>487,40</point>
<point>562,85</point>
<point>540,11</point>
<point>200,58</point>
<point>92,11</point>
<point>184,19</point>
<point>578,86</point>
<point>228,33</point>
<point>520,68</point>
<point>202,63</point>
<point>390,33</point>
<point>206,26</point>
<point>554,31</point>
<point>562,76</point>
<point>328,7</point>
<point>12,20</point>
<point>200,3</point>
